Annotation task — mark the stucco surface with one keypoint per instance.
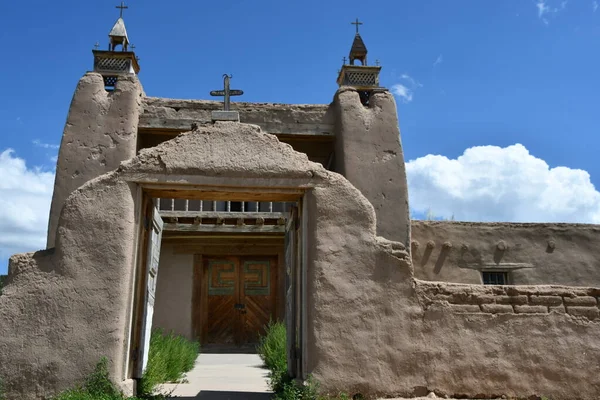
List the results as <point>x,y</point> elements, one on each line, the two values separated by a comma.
<point>371,328</point>
<point>369,154</point>
<point>179,115</point>
<point>100,132</point>
<point>173,306</point>
<point>561,254</point>
<point>63,309</point>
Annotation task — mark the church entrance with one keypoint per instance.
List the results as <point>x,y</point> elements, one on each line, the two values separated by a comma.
<point>219,270</point>
<point>238,297</point>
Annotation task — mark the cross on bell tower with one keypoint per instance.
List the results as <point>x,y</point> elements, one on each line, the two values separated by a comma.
<point>122,7</point>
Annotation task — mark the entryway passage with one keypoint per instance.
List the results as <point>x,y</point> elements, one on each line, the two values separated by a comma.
<point>224,376</point>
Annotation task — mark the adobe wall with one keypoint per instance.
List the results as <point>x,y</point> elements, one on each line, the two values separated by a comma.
<point>100,132</point>
<point>369,154</point>
<point>375,330</point>
<point>371,328</point>
<point>63,309</point>
<point>179,115</point>
<point>561,254</point>
<point>173,305</point>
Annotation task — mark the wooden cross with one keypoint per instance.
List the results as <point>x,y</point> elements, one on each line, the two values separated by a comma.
<point>122,7</point>
<point>344,60</point>
<point>226,92</point>
<point>357,23</point>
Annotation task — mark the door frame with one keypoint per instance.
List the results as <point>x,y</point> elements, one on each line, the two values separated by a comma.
<point>138,315</point>
<point>153,190</point>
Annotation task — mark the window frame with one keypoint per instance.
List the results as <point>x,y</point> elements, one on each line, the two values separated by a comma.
<point>505,274</point>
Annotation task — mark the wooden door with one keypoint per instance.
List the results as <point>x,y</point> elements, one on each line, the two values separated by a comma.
<point>221,277</point>
<point>257,295</point>
<point>239,298</point>
<point>154,225</point>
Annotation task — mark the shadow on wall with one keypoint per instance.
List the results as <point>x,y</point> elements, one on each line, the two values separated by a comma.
<point>2,279</point>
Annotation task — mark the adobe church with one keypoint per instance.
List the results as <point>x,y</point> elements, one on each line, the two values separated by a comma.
<point>209,218</point>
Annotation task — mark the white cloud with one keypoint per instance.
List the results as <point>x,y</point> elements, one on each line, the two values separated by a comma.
<point>544,9</point>
<point>25,195</point>
<point>39,143</point>
<point>438,60</point>
<point>405,90</point>
<point>595,5</point>
<point>490,183</point>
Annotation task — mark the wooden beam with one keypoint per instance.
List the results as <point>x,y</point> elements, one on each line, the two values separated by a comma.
<point>211,193</point>
<point>224,228</point>
<point>228,249</point>
<point>222,214</point>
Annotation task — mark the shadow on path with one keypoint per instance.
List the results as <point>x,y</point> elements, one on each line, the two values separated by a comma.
<point>219,395</point>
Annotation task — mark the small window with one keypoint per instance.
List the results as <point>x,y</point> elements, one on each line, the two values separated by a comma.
<point>495,278</point>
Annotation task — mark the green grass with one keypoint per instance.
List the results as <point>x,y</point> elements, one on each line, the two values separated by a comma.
<point>170,357</point>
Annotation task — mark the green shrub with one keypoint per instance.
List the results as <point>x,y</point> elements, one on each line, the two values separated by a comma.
<point>170,357</point>
<point>272,349</point>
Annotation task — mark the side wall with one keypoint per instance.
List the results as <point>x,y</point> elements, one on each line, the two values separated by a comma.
<point>173,306</point>
<point>375,330</point>
<point>534,254</point>
<point>100,132</point>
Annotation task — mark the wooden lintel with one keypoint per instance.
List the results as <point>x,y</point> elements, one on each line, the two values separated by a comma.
<point>229,249</point>
<point>186,126</point>
<point>192,192</point>
<point>224,228</point>
<point>494,266</point>
<point>223,214</point>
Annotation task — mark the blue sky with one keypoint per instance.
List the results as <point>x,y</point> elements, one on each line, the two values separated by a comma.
<point>482,86</point>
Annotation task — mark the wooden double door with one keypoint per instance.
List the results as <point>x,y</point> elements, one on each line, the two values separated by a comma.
<point>237,298</point>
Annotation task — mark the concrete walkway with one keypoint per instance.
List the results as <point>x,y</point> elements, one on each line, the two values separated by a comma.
<point>223,377</point>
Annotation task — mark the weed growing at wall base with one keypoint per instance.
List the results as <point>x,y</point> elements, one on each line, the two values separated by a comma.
<point>272,349</point>
<point>170,357</point>
<point>97,386</point>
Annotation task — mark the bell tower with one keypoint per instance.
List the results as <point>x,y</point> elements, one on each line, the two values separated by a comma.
<point>102,123</point>
<point>114,62</point>
<point>363,78</point>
